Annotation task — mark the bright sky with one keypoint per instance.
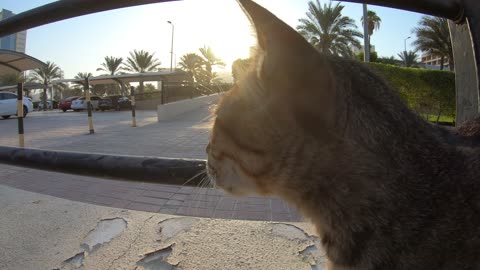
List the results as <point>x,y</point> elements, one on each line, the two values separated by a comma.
<point>80,44</point>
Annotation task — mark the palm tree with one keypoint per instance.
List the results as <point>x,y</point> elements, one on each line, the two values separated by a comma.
<point>433,36</point>
<point>11,79</point>
<point>210,60</point>
<point>141,61</point>
<point>409,58</point>
<point>82,76</point>
<point>112,65</point>
<point>328,30</point>
<point>373,23</point>
<point>192,63</point>
<point>46,75</point>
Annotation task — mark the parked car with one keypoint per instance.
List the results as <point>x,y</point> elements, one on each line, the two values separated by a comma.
<point>8,104</point>
<point>123,103</point>
<point>49,105</point>
<point>105,104</point>
<point>81,103</point>
<point>66,104</point>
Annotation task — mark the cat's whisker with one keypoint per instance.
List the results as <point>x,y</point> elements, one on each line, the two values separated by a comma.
<point>204,171</point>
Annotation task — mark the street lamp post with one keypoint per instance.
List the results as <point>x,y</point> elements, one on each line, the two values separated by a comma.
<point>405,43</point>
<point>171,48</point>
<point>405,49</point>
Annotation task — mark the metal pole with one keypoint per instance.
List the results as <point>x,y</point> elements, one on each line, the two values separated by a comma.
<point>163,98</point>
<point>132,100</point>
<point>21,141</point>
<point>405,43</point>
<point>45,95</point>
<point>89,106</point>
<point>171,48</point>
<point>366,40</point>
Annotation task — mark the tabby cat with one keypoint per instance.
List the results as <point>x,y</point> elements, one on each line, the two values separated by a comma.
<point>384,188</point>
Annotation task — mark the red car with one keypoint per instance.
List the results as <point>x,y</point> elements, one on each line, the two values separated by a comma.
<point>66,104</point>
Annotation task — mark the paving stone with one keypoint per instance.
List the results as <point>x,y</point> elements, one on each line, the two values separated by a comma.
<point>157,194</point>
<point>150,200</point>
<point>175,139</point>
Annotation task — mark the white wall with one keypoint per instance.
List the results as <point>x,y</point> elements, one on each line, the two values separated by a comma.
<point>171,110</point>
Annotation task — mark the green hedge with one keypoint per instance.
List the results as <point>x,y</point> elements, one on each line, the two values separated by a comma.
<point>428,92</point>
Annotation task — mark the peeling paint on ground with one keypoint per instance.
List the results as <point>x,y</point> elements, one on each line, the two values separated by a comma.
<point>157,260</point>
<point>75,261</point>
<point>289,232</point>
<point>314,257</point>
<point>104,232</point>
<point>172,227</point>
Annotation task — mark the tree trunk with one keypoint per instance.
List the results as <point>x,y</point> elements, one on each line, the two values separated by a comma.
<point>451,63</point>
<point>141,88</point>
<point>442,63</point>
<point>438,115</point>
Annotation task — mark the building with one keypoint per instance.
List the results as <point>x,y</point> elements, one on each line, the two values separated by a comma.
<point>432,61</point>
<point>14,42</point>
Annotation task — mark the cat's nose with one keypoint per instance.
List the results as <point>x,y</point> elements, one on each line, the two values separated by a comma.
<point>208,148</point>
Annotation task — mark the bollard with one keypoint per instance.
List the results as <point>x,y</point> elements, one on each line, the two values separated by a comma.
<point>89,105</point>
<point>21,141</point>
<point>132,101</point>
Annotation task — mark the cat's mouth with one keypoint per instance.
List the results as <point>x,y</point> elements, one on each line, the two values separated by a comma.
<point>227,177</point>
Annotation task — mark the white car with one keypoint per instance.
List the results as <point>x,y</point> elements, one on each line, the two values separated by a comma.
<point>49,105</point>
<point>81,103</point>
<point>8,104</point>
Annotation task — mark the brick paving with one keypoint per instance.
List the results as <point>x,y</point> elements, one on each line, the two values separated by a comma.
<point>183,137</point>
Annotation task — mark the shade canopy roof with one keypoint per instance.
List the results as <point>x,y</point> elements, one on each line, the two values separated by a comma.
<point>15,62</point>
<point>26,86</point>
<point>170,76</point>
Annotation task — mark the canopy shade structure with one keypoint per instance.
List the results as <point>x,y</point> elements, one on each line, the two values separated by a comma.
<point>15,62</point>
<point>27,86</point>
<point>170,76</point>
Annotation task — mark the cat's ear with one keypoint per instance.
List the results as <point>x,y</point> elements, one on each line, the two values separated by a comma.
<point>280,46</point>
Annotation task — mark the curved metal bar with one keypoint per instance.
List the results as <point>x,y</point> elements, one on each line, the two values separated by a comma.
<point>449,9</point>
<point>122,167</point>
<point>61,10</point>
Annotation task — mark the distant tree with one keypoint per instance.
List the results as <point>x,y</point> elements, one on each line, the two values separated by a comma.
<point>328,30</point>
<point>209,60</point>
<point>433,36</point>
<point>192,63</point>
<point>409,59</point>
<point>11,79</point>
<point>149,88</point>
<point>141,62</point>
<point>373,23</point>
<point>82,76</point>
<point>373,56</point>
<point>113,65</point>
<point>47,74</point>
<point>388,60</point>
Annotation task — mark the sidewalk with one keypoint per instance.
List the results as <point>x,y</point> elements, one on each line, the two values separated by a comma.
<point>183,137</point>
<point>44,232</point>
<point>53,220</point>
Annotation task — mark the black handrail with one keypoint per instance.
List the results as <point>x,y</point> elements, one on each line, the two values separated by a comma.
<point>449,9</point>
<point>61,10</point>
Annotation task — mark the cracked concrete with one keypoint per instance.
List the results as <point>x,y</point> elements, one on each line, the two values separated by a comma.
<point>43,232</point>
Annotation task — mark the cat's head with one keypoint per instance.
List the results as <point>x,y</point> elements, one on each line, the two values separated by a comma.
<point>289,109</point>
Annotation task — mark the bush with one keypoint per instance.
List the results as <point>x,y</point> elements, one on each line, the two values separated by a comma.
<point>428,92</point>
